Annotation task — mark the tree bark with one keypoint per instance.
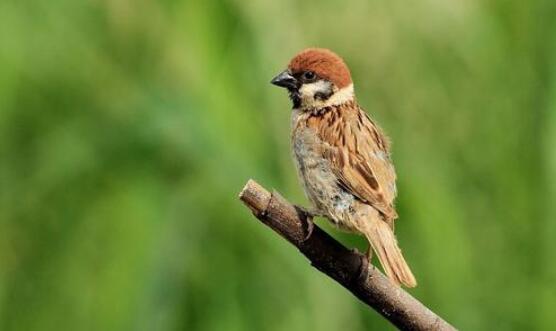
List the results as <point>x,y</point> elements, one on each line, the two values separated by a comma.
<point>348,267</point>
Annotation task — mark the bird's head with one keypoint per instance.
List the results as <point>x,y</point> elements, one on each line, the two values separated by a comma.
<point>316,78</point>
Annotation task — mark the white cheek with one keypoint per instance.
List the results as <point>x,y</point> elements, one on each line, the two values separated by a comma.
<point>307,94</point>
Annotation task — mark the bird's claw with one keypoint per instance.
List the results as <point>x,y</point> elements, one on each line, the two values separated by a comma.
<point>308,216</point>
<point>364,266</point>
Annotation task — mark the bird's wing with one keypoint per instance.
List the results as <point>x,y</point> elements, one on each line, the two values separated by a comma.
<point>359,154</point>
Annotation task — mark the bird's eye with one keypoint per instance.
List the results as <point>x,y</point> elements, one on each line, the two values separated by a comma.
<point>309,75</point>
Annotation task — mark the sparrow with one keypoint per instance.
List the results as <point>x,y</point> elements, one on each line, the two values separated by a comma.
<point>342,156</point>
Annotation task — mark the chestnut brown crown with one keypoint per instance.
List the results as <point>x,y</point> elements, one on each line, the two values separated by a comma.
<point>323,62</point>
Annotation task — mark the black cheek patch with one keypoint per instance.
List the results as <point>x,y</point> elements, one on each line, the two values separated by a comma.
<point>323,96</point>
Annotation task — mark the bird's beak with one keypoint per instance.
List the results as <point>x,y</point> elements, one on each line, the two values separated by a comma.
<point>285,79</point>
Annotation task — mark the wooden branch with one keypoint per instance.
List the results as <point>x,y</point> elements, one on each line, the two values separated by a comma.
<point>348,267</point>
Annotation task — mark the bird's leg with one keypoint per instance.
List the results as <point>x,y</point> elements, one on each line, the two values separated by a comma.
<point>369,252</point>
<point>308,215</point>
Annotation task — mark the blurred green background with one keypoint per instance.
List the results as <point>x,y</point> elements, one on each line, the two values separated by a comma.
<point>127,129</point>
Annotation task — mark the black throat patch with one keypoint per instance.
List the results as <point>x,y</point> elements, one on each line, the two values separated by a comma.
<point>295,98</point>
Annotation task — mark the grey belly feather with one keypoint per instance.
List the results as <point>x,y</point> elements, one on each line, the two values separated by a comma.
<point>319,181</point>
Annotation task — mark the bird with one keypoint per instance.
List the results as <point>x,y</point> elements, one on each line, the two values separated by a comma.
<point>342,156</point>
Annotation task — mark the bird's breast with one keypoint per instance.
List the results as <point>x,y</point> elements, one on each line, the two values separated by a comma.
<point>316,173</point>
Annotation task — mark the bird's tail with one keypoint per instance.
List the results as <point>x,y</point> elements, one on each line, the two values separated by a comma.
<point>384,243</point>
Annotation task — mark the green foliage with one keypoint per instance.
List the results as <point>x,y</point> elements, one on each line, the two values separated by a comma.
<point>127,128</point>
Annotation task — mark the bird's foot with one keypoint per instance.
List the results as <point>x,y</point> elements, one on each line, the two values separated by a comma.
<point>365,263</point>
<point>308,215</point>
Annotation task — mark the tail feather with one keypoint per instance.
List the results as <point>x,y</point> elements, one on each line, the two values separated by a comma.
<point>384,243</point>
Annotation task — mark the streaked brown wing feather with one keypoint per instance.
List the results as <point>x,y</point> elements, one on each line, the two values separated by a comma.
<point>353,143</point>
